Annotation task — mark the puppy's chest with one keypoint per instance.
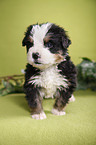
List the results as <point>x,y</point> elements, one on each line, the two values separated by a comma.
<point>49,80</point>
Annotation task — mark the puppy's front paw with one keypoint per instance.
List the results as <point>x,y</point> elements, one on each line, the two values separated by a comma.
<point>39,116</point>
<point>56,112</point>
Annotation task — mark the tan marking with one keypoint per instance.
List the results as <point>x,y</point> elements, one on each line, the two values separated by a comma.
<point>47,38</point>
<point>30,39</point>
<point>38,109</point>
<point>58,58</point>
<point>58,103</point>
<point>59,107</point>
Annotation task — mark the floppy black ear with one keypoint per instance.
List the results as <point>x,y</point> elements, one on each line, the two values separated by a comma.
<point>26,38</point>
<point>66,41</point>
<point>24,41</point>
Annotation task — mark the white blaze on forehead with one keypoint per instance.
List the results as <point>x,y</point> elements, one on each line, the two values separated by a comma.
<point>39,32</point>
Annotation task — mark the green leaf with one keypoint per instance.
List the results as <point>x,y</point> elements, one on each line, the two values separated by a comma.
<point>86,59</point>
<point>86,74</point>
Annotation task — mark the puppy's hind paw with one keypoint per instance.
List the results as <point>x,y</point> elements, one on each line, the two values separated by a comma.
<point>40,116</point>
<point>72,99</point>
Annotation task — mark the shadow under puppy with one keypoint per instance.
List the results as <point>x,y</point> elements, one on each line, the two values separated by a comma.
<point>49,72</point>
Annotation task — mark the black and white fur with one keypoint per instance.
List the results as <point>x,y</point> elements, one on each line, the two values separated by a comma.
<point>49,72</point>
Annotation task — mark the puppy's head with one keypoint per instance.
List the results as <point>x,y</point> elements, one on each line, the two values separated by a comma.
<point>46,45</point>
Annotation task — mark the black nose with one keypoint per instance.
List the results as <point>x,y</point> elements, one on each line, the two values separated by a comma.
<point>35,55</point>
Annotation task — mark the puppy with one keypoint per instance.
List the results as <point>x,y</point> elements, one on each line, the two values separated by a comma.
<point>49,72</point>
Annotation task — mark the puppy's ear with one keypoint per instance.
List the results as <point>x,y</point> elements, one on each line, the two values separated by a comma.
<point>27,38</point>
<point>24,41</point>
<point>65,41</point>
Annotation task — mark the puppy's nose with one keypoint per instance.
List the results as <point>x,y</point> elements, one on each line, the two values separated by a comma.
<point>36,55</point>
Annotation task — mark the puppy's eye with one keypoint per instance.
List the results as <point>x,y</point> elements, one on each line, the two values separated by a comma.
<point>49,44</point>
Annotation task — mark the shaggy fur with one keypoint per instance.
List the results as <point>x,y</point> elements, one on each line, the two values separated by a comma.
<point>49,72</point>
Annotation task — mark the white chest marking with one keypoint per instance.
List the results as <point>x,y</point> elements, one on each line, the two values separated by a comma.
<point>49,79</point>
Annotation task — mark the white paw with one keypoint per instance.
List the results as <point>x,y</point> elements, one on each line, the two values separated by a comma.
<point>39,116</point>
<point>72,99</point>
<point>56,112</point>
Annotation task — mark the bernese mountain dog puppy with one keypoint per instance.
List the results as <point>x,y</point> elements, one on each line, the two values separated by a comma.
<point>49,72</point>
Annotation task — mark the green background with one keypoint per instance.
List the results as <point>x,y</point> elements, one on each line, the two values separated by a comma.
<point>78,126</point>
<point>78,17</point>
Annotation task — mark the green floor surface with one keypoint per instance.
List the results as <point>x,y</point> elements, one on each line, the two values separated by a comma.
<point>77,127</point>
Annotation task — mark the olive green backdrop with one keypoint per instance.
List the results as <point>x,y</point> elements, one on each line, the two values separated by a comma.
<point>78,126</point>
<point>76,16</point>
